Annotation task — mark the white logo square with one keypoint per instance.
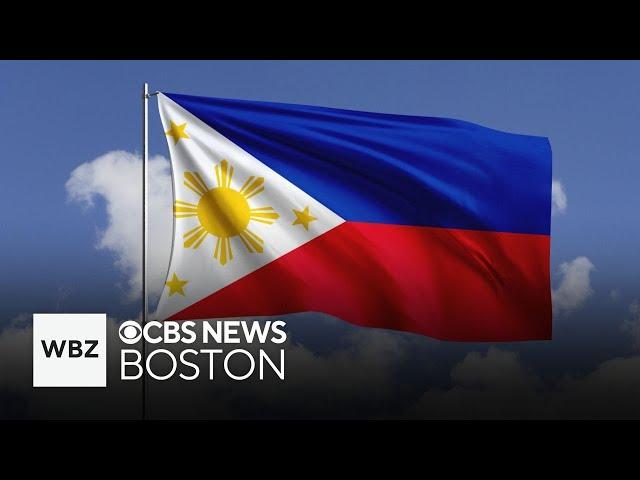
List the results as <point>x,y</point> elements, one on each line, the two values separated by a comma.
<point>69,350</point>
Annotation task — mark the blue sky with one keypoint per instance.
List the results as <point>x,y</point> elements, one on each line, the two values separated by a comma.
<point>59,115</point>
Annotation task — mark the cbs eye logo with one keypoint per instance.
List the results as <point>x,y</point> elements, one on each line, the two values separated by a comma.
<point>130,332</point>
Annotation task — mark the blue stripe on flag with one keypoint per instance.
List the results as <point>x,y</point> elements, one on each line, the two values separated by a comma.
<point>394,169</point>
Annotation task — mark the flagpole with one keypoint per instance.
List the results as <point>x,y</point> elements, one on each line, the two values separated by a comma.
<point>145,306</point>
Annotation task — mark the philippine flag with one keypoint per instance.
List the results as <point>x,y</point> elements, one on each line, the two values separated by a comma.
<point>427,225</point>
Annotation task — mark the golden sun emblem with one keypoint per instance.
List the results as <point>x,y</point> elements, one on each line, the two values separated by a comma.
<point>224,212</point>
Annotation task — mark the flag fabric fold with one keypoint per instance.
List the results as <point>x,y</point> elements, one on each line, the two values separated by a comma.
<point>434,226</point>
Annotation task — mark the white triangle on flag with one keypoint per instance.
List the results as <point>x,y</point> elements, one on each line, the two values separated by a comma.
<point>196,148</point>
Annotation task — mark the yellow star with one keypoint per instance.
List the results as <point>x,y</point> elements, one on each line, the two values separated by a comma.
<point>176,285</point>
<point>177,132</point>
<point>303,218</point>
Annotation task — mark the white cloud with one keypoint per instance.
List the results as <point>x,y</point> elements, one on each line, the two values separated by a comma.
<point>359,375</point>
<point>358,378</point>
<point>610,391</point>
<point>632,325</point>
<point>495,385</point>
<point>498,386</point>
<point>575,285</point>
<point>558,198</point>
<point>497,369</point>
<point>116,178</point>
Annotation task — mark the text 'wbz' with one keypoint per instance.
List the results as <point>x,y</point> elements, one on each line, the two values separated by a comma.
<point>188,363</point>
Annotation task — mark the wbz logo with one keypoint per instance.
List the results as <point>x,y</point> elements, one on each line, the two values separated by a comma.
<point>74,350</point>
<point>69,350</point>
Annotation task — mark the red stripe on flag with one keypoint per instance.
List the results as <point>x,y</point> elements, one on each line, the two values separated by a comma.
<point>449,284</point>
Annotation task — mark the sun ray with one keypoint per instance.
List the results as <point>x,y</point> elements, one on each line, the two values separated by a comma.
<point>249,180</point>
<point>253,188</point>
<point>223,252</point>
<point>264,215</point>
<point>197,244</point>
<point>194,182</point>
<point>246,244</point>
<point>254,193</point>
<point>185,204</point>
<point>252,241</point>
<point>184,209</point>
<point>192,231</point>
<point>200,180</point>
<point>194,237</point>
<point>224,173</point>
